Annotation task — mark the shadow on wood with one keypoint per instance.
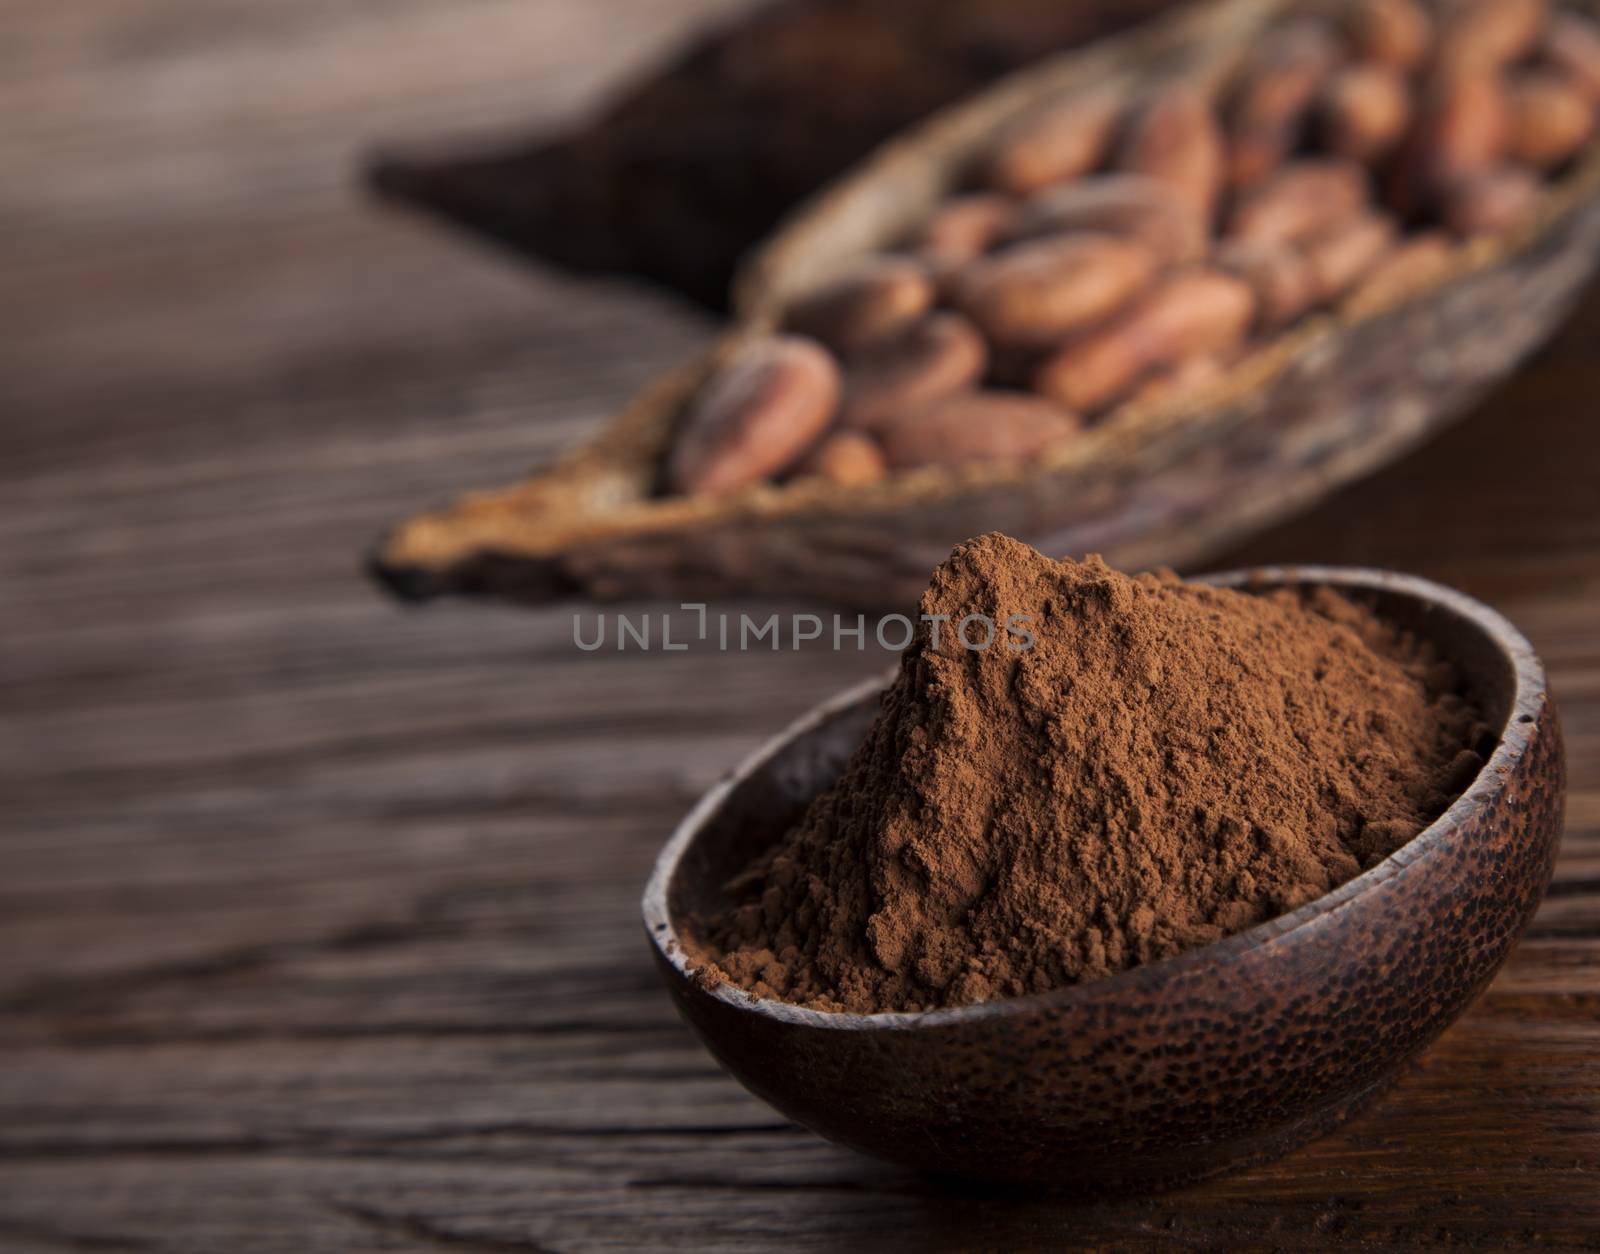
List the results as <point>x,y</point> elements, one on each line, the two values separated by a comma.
<point>690,167</point>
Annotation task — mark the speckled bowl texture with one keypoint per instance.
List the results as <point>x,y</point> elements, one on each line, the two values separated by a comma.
<point>1225,1055</point>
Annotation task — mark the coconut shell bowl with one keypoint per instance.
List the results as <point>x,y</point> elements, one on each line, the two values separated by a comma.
<point>1221,1056</point>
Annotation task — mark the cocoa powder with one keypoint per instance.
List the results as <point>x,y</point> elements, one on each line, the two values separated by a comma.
<point>1165,764</point>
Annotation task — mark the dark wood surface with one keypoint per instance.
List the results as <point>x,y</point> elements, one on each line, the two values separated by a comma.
<point>318,917</point>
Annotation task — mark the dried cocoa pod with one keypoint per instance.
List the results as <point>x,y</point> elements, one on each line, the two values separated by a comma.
<point>1302,199</point>
<point>877,298</point>
<point>1190,313</point>
<point>1489,34</point>
<point>1365,111</point>
<point>848,458</point>
<point>755,416</point>
<point>964,228</point>
<point>1039,292</point>
<point>1551,119</point>
<point>1269,104</point>
<point>1280,276</point>
<point>1461,131</point>
<point>1417,261</point>
<point>1492,202</point>
<point>1173,136</point>
<point>1364,380</point>
<point>1052,144</point>
<point>1117,204</point>
<point>1340,258</point>
<point>972,427</point>
<point>941,354</point>
<point>1572,46</point>
<point>1395,33</point>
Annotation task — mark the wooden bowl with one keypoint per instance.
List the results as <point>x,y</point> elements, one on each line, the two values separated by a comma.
<point>1221,1056</point>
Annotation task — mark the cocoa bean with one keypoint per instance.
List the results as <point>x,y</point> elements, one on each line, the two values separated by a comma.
<point>1461,131</point>
<point>1489,34</point>
<point>1302,199</point>
<point>1173,136</point>
<point>1052,144</point>
<point>964,228</point>
<point>1037,293</point>
<point>941,354</point>
<point>1173,383</point>
<point>1133,205</point>
<point>1551,119</point>
<point>1492,202</point>
<point>1273,96</point>
<point>1192,312</point>
<point>875,299</point>
<point>1410,267</point>
<point>755,416</point>
<point>1395,33</point>
<point>975,427</point>
<point>848,458</point>
<point>1572,45</point>
<point>1278,274</point>
<point>1340,258</point>
<point>1365,111</point>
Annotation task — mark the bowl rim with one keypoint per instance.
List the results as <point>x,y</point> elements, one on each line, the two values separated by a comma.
<point>1512,740</point>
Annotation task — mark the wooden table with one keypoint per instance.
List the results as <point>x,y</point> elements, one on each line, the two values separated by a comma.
<point>317,916</point>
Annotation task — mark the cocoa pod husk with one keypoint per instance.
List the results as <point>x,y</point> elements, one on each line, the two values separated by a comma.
<point>1291,418</point>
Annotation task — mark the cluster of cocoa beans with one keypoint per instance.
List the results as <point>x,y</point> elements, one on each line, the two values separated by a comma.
<point>1110,250</point>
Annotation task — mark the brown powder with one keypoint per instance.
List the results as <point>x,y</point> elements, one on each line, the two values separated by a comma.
<point>1167,764</point>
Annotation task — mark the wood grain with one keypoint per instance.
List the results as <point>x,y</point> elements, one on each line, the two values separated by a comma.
<point>318,918</point>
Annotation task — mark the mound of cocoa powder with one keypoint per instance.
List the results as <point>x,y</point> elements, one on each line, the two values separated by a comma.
<point>1165,764</point>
